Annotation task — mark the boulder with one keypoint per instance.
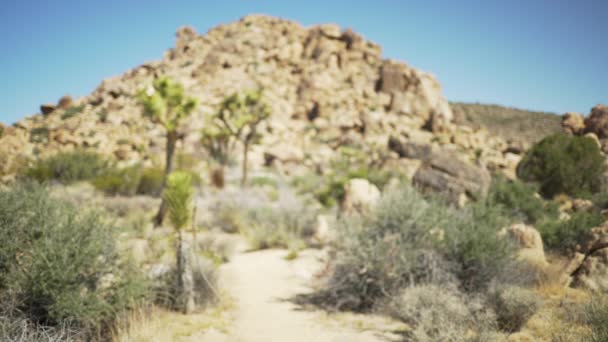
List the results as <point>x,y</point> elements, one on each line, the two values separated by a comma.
<point>65,102</point>
<point>437,123</point>
<point>528,241</point>
<point>408,149</point>
<point>589,268</point>
<point>392,78</point>
<point>573,123</point>
<point>322,233</point>
<point>359,196</point>
<point>47,108</point>
<point>444,172</point>
<point>597,121</point>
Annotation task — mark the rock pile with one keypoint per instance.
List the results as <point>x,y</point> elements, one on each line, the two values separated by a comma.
<point>327,87</point>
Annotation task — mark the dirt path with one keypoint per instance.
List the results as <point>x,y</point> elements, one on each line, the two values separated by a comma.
<point>262,282</point>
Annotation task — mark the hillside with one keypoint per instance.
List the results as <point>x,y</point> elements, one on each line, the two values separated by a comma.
<point>327,88</point>
<point>508,123</point>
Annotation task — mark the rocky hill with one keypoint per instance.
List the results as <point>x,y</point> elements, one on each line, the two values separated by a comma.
<point>327,88</point>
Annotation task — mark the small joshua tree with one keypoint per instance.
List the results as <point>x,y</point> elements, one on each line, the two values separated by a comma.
<point>236,121</point>
<point>179,196</point>
<point>165,103</point>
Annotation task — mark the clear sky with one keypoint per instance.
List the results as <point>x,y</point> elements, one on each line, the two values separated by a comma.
<point>549,55</point>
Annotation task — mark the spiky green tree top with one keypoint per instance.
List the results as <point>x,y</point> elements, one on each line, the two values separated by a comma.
<point>179,196</point>
<point>165,103</point>
<point>236,118</point>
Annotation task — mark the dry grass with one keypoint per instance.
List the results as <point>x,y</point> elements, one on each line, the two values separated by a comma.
<point>156,324</point>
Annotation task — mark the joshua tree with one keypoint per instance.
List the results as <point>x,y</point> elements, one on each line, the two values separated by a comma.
<point>165,103</point>
<point>178,196</point>
<point>236,120</point>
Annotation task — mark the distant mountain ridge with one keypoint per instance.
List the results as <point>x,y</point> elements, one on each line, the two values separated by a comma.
<point>507,122</point>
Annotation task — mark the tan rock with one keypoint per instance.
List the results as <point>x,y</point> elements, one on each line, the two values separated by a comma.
<point>528,241</point>
<point>65,102</point>
<point>444,172</point>
<point>595,139</point>
<point>573,123</point>
<point>597,121</point>
<point>359,196</point>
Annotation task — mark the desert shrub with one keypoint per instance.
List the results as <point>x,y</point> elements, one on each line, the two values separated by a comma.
<point>151,182</point>
<point>68,167</point>
<point>600,200</point>
<point>520,201</point>
<point>350,163</point>
<point>391,250</point>
<point>263,181</point>
<point>119,181</point>
<point>283,227</point>
<point>59,264</point>
<point>473,243</point>
<point>72,111</point>
<point>410,240</point>
<point>513,306</point>
<point>596,317</point>
<point>434,313</point>
<point>566,164</point>
<point>39,135</point>
<point>205,284</point>
<point>564,235</point>
<point>13,329</point>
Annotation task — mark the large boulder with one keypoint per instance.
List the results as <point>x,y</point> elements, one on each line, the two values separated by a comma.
<point>65,102</point>
<point>444,172</point>
<point>589,268</point>
<point>359,196</point>
<point>409,149</point>
<point>597,121</point>
<point>528,241</point>
<point>47,108</point>
<point>573,123</point>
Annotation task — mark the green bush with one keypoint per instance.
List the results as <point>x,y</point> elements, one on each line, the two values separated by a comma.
<point>473,243</point>
<point>566,164</point>
<point>68,167</point>
<point>151,182</point>
<point>563,236</point>
<point>520,201</point>
<point>59,264</point>
<point>410,240</point>
<point>116,181</point>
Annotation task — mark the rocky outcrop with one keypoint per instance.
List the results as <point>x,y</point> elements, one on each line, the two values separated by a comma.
<point>573,123</point>
<point>444,172</point>
<point>597,121</point>
<point>326,87</point>
<point>359,196</point>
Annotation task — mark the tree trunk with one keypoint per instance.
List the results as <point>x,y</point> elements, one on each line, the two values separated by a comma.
<point>171,141</point>
<point>185,281</point>
<point>245,156</point>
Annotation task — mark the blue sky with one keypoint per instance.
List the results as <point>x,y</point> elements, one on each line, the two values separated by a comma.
<point>547,55</point>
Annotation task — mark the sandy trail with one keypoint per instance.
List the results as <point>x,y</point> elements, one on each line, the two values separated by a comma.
<point>261,283</point>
